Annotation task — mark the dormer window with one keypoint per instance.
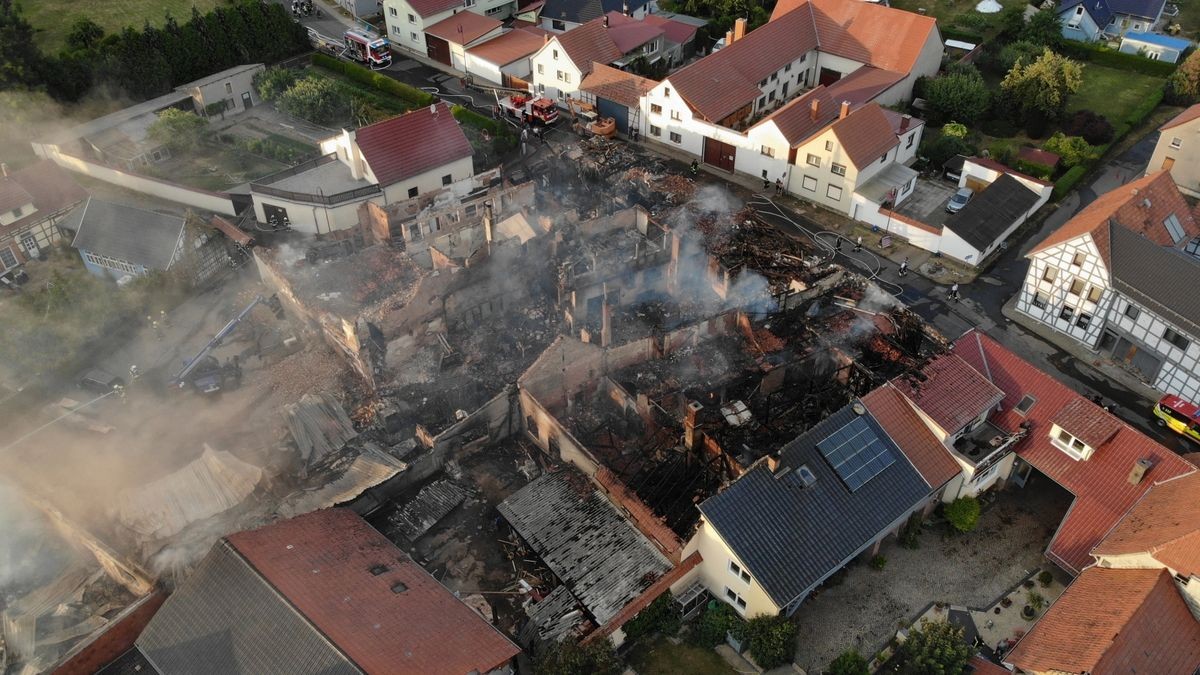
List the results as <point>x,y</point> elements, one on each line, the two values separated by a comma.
<point>1065,441</point>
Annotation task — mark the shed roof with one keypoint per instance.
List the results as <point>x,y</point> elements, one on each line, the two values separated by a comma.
<point>678,32</point>
<point>792,537</point>
<point>130,234</point>
<point>413,143</point>
<point>217,77</point>
<point>992,212</point>
<point>1178,44</point>
<point>863,85</point>
<point>428,8</point>
<point>463,28</point>
<point>582,538</point>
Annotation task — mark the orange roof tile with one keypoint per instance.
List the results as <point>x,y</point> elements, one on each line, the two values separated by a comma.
<point>1182,118</point>
<point>412,143</point>
<point>952,394</point>
<point>1088,423</point>
<point>795,120</point>
<point>616,85</point>
<point>889,38</point>
<point>463,28</point>
<point>1114,621</point>
<point>512,46</point>
<point>1100,484</point>
<point>893,412</point>
<point>981,666</point>
<point>865,135</point>
<point>1127,205</point>
<point>1164,523</point>
<point>589,43</point>
<point>997,166</point>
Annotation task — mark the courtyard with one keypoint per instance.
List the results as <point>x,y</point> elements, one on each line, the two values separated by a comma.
<point>862,608</point>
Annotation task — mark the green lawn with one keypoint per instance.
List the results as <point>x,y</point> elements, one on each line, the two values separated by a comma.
<point>959,14</point>
<point>1111,92</point>
<point>53,18</point>
<point>662,657</point>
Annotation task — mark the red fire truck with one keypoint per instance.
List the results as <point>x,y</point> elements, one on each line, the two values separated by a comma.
<point>530,109</point>
<point>1179,415</point>
<point>367,47</point>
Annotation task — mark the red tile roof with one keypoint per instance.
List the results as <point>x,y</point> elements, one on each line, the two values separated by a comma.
<point>629,33</point>
<point>1100,484</point>
<point>512,46</point>
<point>1182,118</point>
<point>886,38</point>
<point>428,8</point>
<point>863,85</point>
<point>463,28</point>
<point>413,143</point>
<point>1087,422</point>
<point>953,392</point>
<point>865,134</point>
<point>981,666</point>
<point>1127,205</point>
<point>1039,156</point>
<point>13,195</point>
<point>795,119</point>
<point>587,43</point>
<point>676,31</point>
<point>230,230</point>
<point>1113,621</point>
<point>893,412</point>
<point>616,85</point>
<point>997,166</point>
<point>1164,523</point>
<point>321,563</point>
<point>48,186</point>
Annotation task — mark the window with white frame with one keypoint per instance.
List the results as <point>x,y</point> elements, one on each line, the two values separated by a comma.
<point>1040,300</point>
<point>395,30</point>
<point>735,599</point>
<point>809,183</point>
<point>833,192</point>
<point>393,12</point>
<point>1068,443</point>
<point>838,169</point>
<point>1050,274</point>
<point>560,75</point>
<point>567,77</point>
<point>737,571</point>
<point>412,19</point>
<point>828,146</point>
<point>1176,142</point>
<point>1066,312</point>
<point>413,36</point>
<point>676,115</point>
<point>666,92</point>
<point>1174,228</point>
<point>7,259</point>
<point>541,69</point>
<point>555,53</point>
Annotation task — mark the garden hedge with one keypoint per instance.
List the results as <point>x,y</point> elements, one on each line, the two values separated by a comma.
<point>379,81</point>
<point>1068,180</point>
<point>965,36</point>
<point>1104,56</point>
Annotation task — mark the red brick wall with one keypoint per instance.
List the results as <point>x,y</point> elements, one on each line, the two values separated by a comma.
<point>113,642</point>
<point>643,518</point>
<point>643,601</point>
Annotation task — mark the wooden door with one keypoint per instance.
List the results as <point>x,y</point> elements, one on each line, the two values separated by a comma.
<point>438,49</point>
<point>718,154</point>
<point>1168,162</point>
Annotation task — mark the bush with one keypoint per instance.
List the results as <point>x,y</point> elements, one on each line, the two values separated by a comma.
<point>960,94</point>
<point>1033,169</point>
<point>503,138</point>
<point>1111,58</point>
<point>1094,129</point>
<point>772,640</point>
<point>1072,149</point>
<point>717,620</point>
<point>659,617</point>
<point>1035,600</point>
<point>1183,86</point>
<point>179,130</point>
<point>943,148</point>
<point>879,562</point>
<point>1000,128</point>
<point>568,658</point>
<point>1143,109</point>
<point>955,129</point>
<point>951,33</point>
<point>1036,124</point>
<point>1045,578</point>
<point>1021,50</point>
<point>933,647</point>
<point>314,99</point>
<point>849,662</point>
<point>909,536</point>
<point>963,513</point>
<point>273,81</point>
<point>379,81</point>
<point>1068,180</point>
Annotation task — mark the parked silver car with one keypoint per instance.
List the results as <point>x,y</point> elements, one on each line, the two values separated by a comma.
<point>959,200</point>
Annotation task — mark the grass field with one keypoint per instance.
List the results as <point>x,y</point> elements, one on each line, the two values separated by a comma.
<point>662,657</point>
<point>1111,92</point>
<point>958,14</point>
<point>53,18</point>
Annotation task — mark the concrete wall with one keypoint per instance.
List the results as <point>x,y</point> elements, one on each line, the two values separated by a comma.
<point>215,202</point>
<point>1184,159</point>
<point>230,90</point>
<point>308,217</point>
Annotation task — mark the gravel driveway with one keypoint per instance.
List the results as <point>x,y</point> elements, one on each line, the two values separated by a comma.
<point>865,609</point>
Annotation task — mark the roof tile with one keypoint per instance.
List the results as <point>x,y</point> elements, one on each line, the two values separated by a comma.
<point>888,38</point>
<point>616,85</point>
<point>1164,523</point>
<point>428,8</point>
<point>897,417</point>
<point>587,44</point>
<point>865,135</point>
<point>48,186</point>
<point>463,28</point>
<point>1188,115</point>
<point>953,392</point>
<point>1087,422</point>
<point>412,143</point>
<point>512,46</point>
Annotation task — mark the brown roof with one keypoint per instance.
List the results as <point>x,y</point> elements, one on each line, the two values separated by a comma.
<point>50,187</point>
<point>981,666</point>
<point>1164,523</point>
<point>589,43</point>
<point>616,85</point>
<point>795,120</point>
<point>997,166</point>
<point>1038,156</point>
<point>427,8</point>
<point>1127,205</point>
<point>863,85</point>
<point>676,31</point>
<point>13,195</point>
<point>1114,621</point>
<point>463,28</point>
<point>952,394</point>
<point>1087,422</point>
<point>888,38</point>
<point>893,412</point>
<point>865,135</point>
<point>512,46</point>
<point>1182,118</point>
<point>230,230</point>
<point>326,564</point>
<point>412,143</point>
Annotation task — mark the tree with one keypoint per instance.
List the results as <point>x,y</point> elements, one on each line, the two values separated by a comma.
<point>1095,129</point>
<point>659,617</point>
<point>717,620</point>
<point>21,63</point>
<point>1021,50</point>
<point>316,100</point>
<point>179,130</point>
<point>273,81</point>
<point>933,648</point>
<point>568,658</point>
<point>84,34</point>
<point>960,94</point>
<point>1044,28</point>
<point>955,129</point>
<point>772,640</point>
<point>963,513</point>
<point>849,662</point>
<point>1042,86</point>
<point>943,148</point>
<point>1072,149</point>
<point>1183,86</point>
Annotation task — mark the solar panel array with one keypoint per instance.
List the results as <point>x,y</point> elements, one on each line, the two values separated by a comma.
<point>856,453</point>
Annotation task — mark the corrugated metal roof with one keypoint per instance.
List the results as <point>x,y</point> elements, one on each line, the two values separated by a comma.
<point>133,235</point>
<point>581,537</point>
<point>432,503</point>
<point>1100,484</point>
<point>552,618</point>
<point>992,211</point>
<point>1162,278</point>
<point>791,537</point>
<point>412,143</point>
<point>320,427</point>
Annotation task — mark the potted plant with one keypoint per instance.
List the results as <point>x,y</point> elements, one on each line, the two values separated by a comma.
<point>1034,602</point>
<point>1045,578</point>
<point>1006,602</point>
<point>1029,583</point>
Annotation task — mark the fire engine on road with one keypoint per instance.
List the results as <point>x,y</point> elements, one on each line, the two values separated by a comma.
<point>1179,416</point>
<point>529,109</point>
<point>367,47</point>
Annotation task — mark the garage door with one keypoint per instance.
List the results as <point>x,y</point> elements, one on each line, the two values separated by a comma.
<point>976,184</point>
<point>608,108</point>
<point>438,49</point>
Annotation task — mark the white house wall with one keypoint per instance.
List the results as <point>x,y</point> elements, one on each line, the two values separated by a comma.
<point>1186,168</point>
<point>546,82</point>
<point>308,217</point>
<point>716,576</point>
<point>1180,370</point>
<point>406,28</point>
<point>928,63</point>
<point>1057,293</point>
<point>430,181</point>
<point>484,70</point>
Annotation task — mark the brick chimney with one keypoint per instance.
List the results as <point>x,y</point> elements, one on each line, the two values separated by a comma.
<point>1139,470</point>
<point>728,38</point>
<point>816,109</point>
<point>772,463</point>
<point>689,423</point>
<point>844,111</point>
<point>904,122</point>
<point>739,29</point>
